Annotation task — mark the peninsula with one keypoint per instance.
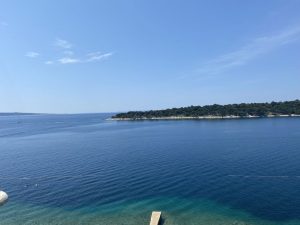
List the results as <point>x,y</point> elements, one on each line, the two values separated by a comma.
<point>243,110</point>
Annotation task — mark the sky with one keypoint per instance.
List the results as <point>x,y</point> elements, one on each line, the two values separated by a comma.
<point>68,56</point>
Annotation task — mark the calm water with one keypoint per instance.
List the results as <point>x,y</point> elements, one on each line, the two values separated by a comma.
<point>81,169</point>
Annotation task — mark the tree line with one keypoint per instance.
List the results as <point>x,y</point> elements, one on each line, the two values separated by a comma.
<point>240,110</point>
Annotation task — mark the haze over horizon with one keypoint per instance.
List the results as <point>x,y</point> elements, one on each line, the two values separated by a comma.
<point>113,56</point>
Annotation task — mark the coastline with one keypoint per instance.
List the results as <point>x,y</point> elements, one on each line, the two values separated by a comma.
<point>200,117</point>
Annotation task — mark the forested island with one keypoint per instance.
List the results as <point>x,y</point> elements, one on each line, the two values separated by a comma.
<point>243,110</point>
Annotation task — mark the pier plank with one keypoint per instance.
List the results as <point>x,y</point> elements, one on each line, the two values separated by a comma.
<point>155,217</point>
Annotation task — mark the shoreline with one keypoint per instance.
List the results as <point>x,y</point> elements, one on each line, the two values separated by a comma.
<point>200,117</point>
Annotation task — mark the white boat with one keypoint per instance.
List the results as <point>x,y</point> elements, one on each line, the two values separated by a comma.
<point>3,197</point>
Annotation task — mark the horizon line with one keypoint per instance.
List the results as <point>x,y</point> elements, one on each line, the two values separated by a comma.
<point>122,111</point>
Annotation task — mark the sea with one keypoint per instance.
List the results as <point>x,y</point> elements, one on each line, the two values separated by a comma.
<point>86,170</point>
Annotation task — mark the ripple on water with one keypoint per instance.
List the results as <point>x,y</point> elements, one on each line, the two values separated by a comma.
<point>123,171</point>
<point>176,211</point>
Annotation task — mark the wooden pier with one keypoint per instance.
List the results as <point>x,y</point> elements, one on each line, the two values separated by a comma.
<point>155,217</point>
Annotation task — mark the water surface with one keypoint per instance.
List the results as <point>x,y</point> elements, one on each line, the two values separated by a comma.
<point>82,169</point>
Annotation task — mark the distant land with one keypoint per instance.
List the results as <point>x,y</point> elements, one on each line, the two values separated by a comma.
<point>242,110</point>
<point>16,114</point>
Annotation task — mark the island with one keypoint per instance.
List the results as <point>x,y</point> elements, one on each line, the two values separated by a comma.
<point>230,111</point>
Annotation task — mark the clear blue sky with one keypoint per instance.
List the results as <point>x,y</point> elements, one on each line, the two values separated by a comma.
<point>60,56</point>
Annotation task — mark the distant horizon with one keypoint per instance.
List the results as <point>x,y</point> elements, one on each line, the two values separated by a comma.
<point>55,113</point>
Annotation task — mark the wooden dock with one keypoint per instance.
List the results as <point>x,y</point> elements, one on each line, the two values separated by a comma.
<point>155,217</point>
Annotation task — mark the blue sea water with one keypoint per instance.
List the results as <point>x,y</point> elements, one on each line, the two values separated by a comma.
<point>83,169</point>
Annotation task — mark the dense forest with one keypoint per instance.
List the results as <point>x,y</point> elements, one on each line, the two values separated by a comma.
<point>239,110</point>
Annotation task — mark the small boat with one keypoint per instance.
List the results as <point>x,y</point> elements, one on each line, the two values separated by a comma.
<point>3,197</point>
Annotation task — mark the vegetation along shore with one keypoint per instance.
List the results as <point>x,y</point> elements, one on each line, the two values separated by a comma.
<point>230,111</point>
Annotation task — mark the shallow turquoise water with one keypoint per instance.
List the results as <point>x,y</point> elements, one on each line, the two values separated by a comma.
<point>81,169</point>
